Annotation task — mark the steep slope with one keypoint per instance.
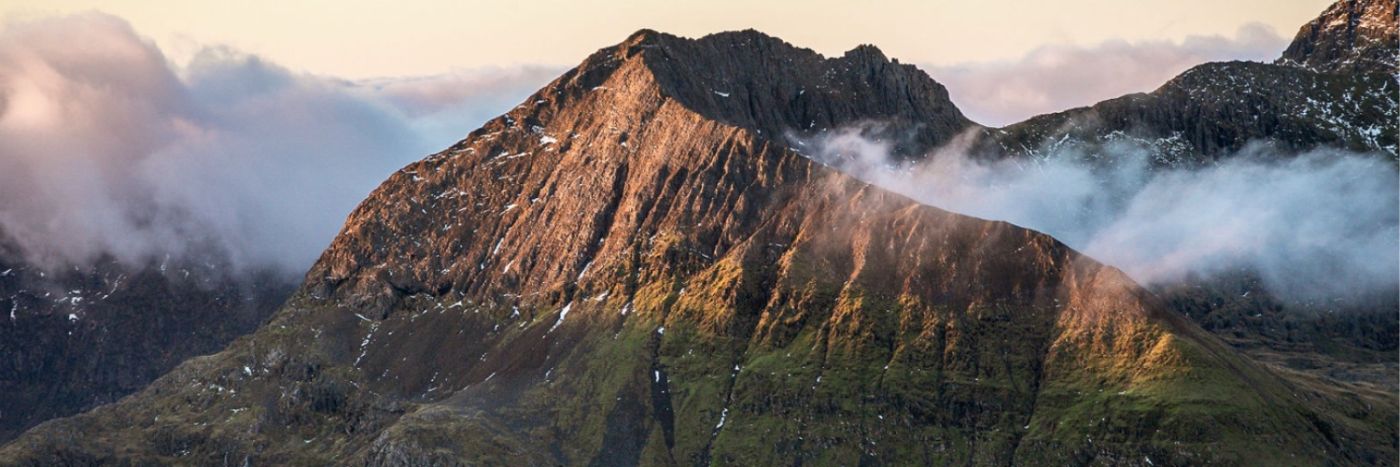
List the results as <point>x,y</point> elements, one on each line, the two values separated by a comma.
<point>74,339</point>
<point>611,274</point>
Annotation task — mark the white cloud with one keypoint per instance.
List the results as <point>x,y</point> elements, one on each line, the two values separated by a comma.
<point>1323,225</point>
<point>110,149</point>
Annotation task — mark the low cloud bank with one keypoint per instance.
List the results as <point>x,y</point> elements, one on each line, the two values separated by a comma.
<point>1058,77</point>
<point>110,149</point>
<point>1322,225</point>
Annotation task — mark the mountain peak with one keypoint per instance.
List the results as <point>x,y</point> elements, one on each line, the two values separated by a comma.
<point>759,82</point>
<point>1351,35</point>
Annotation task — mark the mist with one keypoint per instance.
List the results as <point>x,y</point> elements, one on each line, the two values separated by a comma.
<point>1058,77</point>
<point>1321,225</point>
<point>112,150</point>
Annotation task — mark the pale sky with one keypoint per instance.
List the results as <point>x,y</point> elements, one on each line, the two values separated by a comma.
<point>374,38</point>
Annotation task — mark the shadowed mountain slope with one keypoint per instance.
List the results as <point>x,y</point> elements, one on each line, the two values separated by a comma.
<point>79,337</point>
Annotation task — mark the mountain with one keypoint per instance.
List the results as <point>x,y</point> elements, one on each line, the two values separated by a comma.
<point>83,336</point>
<point>1335,86</point>
<point>636,267</point>
<point>1350,36</point>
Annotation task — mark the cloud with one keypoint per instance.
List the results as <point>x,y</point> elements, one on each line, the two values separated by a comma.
<point>109,149</point>
<point>1322,225</point>
<point>1058,77</point>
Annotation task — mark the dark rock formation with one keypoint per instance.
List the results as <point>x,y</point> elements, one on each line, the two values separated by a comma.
<point>1335,87</point>
<point>77,338</point>
<point>758,82</point>
<point>1212,111</point>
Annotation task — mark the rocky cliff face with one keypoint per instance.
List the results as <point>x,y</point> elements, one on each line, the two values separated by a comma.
<point>1351,36</point>
<point>633,267</point>
<point>77,338</point>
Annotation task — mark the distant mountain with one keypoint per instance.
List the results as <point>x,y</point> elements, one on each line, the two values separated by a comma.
<point>80,337</point>
<point>635,267</point>
<point>1335,86</point>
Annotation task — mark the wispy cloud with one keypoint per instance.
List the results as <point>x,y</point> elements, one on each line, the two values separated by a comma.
<point>1322,225</point>
<point>111,149</point>
<point>1054,78</point>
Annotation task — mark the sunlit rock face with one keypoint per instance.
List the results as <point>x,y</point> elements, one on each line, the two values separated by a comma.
<point>1351,36</point>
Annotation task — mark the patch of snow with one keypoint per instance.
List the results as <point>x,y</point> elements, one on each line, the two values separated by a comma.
<point>584,271</point>
<point>563,312</point>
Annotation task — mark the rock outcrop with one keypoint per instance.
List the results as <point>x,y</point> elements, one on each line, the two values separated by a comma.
<point>1351,36</point>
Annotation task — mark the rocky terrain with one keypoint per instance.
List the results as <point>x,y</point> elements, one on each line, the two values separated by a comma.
<point>1335,86</point>
<point>635,267</point>
<point>84,336</point>
<point>1356,36</point>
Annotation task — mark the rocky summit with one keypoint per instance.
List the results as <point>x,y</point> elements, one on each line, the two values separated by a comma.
<point>637,266</point>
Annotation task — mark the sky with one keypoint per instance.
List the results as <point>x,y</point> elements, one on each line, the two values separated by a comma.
<point>138,129</point>
<point>1003,61</point>
<point>376,38</point>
